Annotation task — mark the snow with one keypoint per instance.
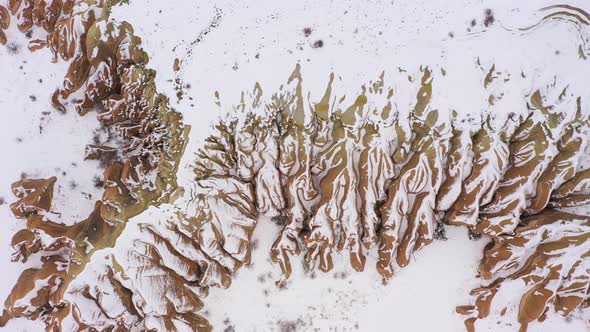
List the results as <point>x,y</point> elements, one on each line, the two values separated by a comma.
<point>40,142</point>
<point>228,46</point>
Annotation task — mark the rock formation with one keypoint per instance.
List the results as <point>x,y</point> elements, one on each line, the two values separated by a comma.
<point>360,176</point>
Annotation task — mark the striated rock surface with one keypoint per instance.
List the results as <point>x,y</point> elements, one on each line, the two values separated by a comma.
<point>547,256</point>
<point>355,175</point>
<point>106,74</point>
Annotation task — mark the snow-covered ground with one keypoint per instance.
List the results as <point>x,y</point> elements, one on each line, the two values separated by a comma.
<point>227,46</point>
<point>39,142</point>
